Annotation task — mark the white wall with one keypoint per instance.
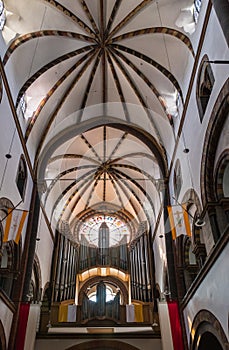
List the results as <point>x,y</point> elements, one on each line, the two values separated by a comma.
<point>212,295</point>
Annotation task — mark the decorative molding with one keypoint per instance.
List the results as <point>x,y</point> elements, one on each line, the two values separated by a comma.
<point>204,322</point>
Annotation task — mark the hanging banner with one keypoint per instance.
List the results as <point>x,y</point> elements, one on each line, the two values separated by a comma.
<point>134,313</point>
<point>174,317</point>
<point>13,225</point>
<point>22,325</point>
<point>138,313</point>
<point>130,313</point>
<point>67,312</point>
<point>32,326</point>
<point>179,220</point>
<point>166,333</point>
<point>71,313</point>
<point>171,335</point>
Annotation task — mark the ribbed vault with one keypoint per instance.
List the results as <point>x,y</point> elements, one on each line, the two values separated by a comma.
<point>88,75</point>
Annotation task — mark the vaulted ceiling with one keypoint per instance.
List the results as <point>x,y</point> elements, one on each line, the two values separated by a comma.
<point>97,85</point>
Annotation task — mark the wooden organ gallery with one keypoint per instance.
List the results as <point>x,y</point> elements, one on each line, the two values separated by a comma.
<point>103,299</point>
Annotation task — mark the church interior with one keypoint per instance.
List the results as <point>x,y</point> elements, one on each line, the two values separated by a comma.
<point>114,174</point>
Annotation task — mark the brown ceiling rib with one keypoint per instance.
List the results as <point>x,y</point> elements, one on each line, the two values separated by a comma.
<point>117,183</point>
<point>52,90</point>
<point>66,94</point>
<point>115,174</point>
<point>62,174</point>
<point>116,190</point>
<point>111,163</point>
<point>85,178</point>
<point>155,64</point>
<point>96,180</point>
<point>131,180</point>
<point>112,17</point>
<point>71,156</point>
<point>130,189</point>
<point>137,93</point>
<point>91,147</point>
<point>143,77</point>
<point>141,171</point>
<point>90,17</point>
<point>134,154</point>
<point>106,166</point>
<point>87,90</point>
<point>22,39</point>
<point>156,30</point>
<point>71,15</point>
<point>130,15</point>
<point>49,65</point>
<point>119,89</point>
<point>117,147</point>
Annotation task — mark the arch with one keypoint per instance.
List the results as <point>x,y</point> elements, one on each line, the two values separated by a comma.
<point>209,341</point>
<point>189,259</point>
<point>21,178</point>
<point>177,178</point>
<point>190,263</point>
<point>191,197</point>
<point>221,166</point>
<point>36,280</point>
<point>2,337</point>
<point>109,279</point>
<point>205,82</point>
<point>103,344</point>
<point>46,297</point>
<point>206,327</point>
<point>215,125</point>
<point>69,131</point>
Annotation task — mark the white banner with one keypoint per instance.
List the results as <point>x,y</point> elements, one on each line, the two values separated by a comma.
<point>166,334</point>
<point>32,326</point>
<point>130,315</point>
<point>71,313</point>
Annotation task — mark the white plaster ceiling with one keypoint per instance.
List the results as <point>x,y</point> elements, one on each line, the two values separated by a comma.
<point>95,75</point>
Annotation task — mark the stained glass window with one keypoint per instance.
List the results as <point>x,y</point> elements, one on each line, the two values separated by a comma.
<point>118,229</point>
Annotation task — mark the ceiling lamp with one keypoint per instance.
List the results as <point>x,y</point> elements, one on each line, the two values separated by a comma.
<point>199,222</point>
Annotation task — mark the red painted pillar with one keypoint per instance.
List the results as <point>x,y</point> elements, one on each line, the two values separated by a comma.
<point>22,325</point>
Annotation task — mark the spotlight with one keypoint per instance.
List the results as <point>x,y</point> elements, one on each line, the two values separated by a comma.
<point>199,222</point>
<point>166,292</point>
